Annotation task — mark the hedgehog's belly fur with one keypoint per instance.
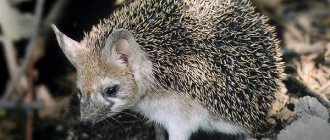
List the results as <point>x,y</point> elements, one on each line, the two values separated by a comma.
<point>182,116</point>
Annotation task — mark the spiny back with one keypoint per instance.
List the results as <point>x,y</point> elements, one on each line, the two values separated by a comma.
<point>219,52</point>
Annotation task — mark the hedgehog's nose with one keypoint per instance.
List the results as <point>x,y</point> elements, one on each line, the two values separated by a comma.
<point>85,125</point>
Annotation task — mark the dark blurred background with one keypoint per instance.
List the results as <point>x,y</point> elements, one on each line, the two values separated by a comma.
<point>43,104</point>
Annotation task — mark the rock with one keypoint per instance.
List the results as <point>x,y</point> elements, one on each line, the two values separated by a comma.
<point>309,106</point>
<point>306,128</point>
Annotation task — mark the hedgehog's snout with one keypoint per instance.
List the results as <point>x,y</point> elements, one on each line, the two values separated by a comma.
<point>92,112</point>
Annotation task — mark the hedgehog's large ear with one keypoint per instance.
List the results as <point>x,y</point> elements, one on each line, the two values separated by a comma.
<point>122,47</point>
<point>69,47</point>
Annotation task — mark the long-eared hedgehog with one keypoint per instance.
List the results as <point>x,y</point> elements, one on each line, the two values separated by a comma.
<point>196,64</point>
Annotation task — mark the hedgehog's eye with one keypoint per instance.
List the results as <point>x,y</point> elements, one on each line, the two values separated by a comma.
<point>111,91</point>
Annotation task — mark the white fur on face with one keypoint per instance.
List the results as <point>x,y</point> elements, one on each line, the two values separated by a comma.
<point>98,97</point>
<point>118,104</point>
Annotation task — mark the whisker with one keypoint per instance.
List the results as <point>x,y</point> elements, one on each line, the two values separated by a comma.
<point>110,123</point>
<point>118,122</point>
<point>134,116</point>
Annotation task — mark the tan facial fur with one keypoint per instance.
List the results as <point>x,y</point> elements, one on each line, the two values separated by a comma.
<point>94,74</point>
<point>98,70</point>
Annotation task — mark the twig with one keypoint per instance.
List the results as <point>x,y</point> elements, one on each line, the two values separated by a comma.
<point>30,99</point>
<point>324,87</point>
<point>30,48</point>
<point>19,1</point>
<point>25,106</point>
<point>307,91</point>
<point>10,54</point>
<point>54,15</point>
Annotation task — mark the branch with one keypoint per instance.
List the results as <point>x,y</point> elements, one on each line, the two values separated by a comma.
<point>26,106</point>
<point>9,54</point>
<point>30,48</point>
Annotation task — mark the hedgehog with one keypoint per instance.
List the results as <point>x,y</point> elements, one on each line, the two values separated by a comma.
<point>187,65</point>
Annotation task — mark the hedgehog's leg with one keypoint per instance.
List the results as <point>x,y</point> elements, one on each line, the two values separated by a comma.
<point>179,115</point>
<point>179,123</point>
<point>178,131</point>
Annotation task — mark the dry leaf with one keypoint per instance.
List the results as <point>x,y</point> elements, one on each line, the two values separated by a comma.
<point>15,24</point>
